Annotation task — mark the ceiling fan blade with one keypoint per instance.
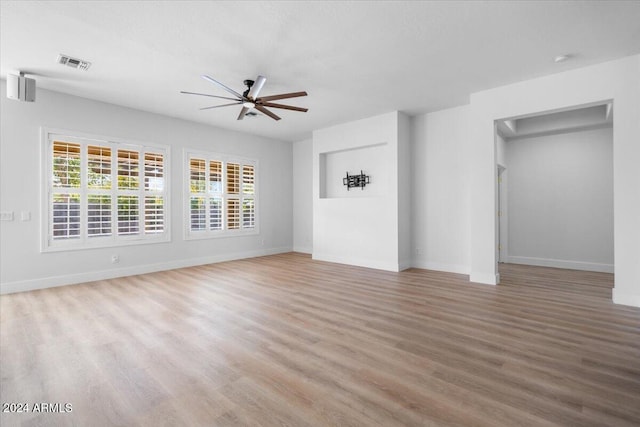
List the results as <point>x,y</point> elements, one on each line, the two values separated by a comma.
<point>267,112</point>
<point>281,96</point>
<point>244,111</point>
<point>286,107</point>
<point>206,94</point>
<point>223,105</point>
<point>257,86</point>
<point>212,80</point>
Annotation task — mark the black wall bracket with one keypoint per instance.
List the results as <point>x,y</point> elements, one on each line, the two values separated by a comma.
<point>356,180</point>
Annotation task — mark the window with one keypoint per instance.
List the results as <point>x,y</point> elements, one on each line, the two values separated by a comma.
<point>102,193</point>
<point>222,195</point>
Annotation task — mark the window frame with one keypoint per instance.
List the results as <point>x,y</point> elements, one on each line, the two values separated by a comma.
<point>210,156</point>
<point>47,189</point>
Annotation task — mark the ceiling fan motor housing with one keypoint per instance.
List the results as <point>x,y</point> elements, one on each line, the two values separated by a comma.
<point>247,83</point>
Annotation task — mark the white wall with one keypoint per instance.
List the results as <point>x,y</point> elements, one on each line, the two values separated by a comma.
<point>303,196</point>
<point>24,267</point>
<point>560,200</point>
<point>501,150</point>
<point>440,202</point>
<point>616,80</point>
<point>502,174</point>
<point>361,230</point>
<point>404,191</point>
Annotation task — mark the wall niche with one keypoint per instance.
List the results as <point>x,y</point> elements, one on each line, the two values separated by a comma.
<point>370,159</point>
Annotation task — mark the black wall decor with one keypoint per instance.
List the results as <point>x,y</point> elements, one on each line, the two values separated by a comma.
<point>356,180</point>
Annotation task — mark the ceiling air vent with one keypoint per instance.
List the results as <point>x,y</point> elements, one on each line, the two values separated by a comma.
<point>73,62</point>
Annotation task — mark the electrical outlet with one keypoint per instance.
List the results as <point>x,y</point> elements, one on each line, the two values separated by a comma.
<point>418,251</point>
<point>115,258</point>
<point>6,216</point>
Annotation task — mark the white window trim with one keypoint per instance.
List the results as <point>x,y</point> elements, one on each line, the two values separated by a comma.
<point>212,234</point>
<point>47,135</point>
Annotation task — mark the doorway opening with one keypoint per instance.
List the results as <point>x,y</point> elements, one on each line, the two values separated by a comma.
<point>554,193</point>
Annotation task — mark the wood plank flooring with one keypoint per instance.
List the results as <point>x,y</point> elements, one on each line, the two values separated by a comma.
<point>566,284</point>
<point>287,341</point>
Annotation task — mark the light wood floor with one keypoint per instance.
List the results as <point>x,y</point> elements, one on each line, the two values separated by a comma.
<point>284,340</point>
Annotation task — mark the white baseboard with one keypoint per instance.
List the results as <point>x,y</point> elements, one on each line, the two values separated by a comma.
<point>559,263</point>
<point>439,266</point>
<point>484,278</point>
<point>303,249</point>
<point>625,298</point>
<point>405,264</point>
<point>360,262</point>
<point>71,279</point>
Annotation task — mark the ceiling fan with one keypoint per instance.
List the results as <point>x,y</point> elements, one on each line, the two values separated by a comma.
<point>249,98</point>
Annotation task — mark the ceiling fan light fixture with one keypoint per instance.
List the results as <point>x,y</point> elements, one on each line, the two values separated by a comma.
<point>248,104</point>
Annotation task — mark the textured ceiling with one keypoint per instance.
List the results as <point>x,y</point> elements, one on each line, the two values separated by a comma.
<point>355,59</point>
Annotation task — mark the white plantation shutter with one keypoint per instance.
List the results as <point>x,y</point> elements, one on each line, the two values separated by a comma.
<point>198,213</point>
<point>66,164</point>
<point>153,214</point>
<point>248,192</point>
<point>99,215</point>
<point>198,198</point>
<point>233,196</point>
<point>248,213</point>
<point>248,179</point>
<point>128,215</point>
<point>98,167</point>
<point>102,193</point>
<point>128,169</point>
<point>154,172</point>
<point>99,195</point>
<point>154,193</point>
<point>64,214</point>
<point>233,214</point>
<point>216,213</point>
<point>222,195</point>
<point>216,209</point>
<point>233,178</point>
<point>215,176</point>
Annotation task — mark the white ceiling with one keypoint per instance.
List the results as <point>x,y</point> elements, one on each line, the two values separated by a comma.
<point>355,59</point>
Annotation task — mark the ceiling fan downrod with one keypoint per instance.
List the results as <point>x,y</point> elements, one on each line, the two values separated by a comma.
<point>248,83</point>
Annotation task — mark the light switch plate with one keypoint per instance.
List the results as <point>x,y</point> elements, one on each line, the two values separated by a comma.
<point>6,216</point>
